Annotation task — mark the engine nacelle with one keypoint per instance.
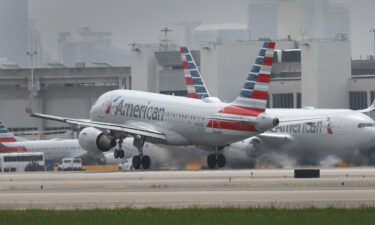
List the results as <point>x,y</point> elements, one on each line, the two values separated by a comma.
<point>92,139</point>
<point>266,122</point>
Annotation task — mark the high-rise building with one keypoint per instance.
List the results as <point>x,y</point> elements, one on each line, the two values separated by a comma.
<point>298,19</point>
<point>13,32</point>
<point>88,47</point>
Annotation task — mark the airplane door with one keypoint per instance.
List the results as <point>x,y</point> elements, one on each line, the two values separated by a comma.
<point>214,125</point>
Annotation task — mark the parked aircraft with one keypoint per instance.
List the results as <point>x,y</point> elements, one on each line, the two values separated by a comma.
<point>179,121</point>
<point>54,149</point>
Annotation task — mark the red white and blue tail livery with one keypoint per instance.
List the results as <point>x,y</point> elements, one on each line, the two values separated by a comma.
<point>193,79</point>
<point>254,94</point>
<point>5,134</point>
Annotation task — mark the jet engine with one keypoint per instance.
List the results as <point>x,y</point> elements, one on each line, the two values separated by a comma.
<point>266,122</point>
<point>92,139</point>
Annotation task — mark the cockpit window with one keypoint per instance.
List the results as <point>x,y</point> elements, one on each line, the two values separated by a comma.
<point>363,125</point>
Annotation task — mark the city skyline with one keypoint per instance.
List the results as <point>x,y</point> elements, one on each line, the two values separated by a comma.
<point>141,21</point>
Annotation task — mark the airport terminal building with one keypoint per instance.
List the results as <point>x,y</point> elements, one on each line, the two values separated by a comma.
<point>305,74</point>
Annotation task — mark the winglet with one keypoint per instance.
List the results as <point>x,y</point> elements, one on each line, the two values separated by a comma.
<point>369,109</point>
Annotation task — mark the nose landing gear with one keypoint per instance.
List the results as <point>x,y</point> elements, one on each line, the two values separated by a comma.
<point>119,153</point>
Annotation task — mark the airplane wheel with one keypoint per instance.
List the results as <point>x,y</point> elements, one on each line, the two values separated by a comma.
<point>121,154</point>
<point>116,154</point>
<point>146,162</point>
<point>136,162</point>
<point>220,160</point>
<point>211,161</point>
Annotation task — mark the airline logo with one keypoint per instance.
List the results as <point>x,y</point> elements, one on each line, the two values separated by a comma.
<point>120,107</point>
<point>255,89</point>
<point>253,97</point>
<point>304,128</point>
<point>194,83</point>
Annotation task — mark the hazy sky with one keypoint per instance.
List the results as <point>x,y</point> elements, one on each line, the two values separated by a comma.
<point>141,20</point>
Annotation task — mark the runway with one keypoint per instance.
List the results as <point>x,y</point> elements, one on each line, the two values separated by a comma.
<point>177,189</point>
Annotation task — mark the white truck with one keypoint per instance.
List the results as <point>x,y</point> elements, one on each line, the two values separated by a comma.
<point>70,164</point>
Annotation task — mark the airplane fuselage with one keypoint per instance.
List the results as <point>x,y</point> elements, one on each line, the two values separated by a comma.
<point>342,133</point>
<point>184,121</point>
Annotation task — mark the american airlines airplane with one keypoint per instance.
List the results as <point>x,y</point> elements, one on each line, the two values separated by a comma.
<point>178,121</point>
<point>339,132</point>
<point>54,149</point>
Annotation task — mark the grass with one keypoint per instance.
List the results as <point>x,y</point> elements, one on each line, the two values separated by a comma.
<point>194,216</point>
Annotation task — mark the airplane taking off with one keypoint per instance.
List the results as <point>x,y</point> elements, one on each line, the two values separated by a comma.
<point>179,121</point>
<point>338,132</point>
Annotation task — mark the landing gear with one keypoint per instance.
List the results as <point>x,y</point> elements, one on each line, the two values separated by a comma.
<point>140,160</point>
<point>214,160</point>
<point>119,153</point>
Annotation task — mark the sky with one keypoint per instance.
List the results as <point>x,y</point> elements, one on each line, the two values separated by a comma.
<point>140,20</point>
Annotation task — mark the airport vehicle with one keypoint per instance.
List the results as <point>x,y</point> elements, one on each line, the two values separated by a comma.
<point>19,162</point>
<point>68,164</point>
<point>178,121</point>
<point>126,165</point>
<point>339,132</point>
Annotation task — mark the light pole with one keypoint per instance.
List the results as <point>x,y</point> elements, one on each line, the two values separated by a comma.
<point>31,54</point>
<point>373,31</point>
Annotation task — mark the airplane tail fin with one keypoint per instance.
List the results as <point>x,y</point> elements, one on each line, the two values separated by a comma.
<point>5,134</point>
<point>194,82</point>
<point>254,93</point>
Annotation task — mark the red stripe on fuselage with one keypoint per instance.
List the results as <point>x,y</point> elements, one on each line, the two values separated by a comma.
<point>240,110</point>
<point>8,139</point>
<point>226,125</point>
<point>13,149</point>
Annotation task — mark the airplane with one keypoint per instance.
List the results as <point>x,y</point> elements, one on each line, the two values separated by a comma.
<point>54,149</point>
<point>175,120</point>
<point>57,149</point>
<point>339,132</point>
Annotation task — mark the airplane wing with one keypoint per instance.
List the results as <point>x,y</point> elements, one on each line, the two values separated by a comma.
<point>269,136</point>
<point>128,129</point>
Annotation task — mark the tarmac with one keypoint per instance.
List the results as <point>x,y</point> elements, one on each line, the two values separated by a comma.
<point>341,187</point>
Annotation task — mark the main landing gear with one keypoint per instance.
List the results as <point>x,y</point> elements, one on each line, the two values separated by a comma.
<point>138,161</point>
<point>216,159</point>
